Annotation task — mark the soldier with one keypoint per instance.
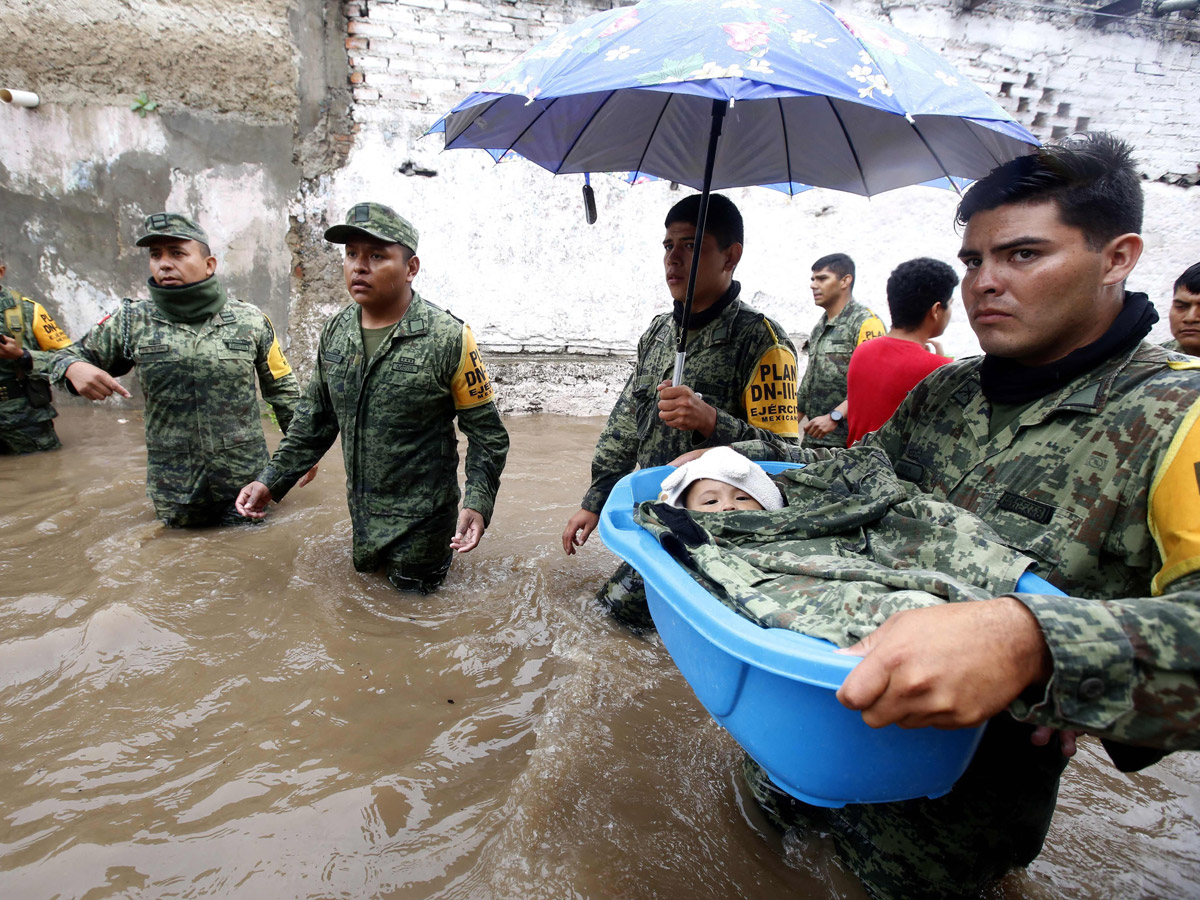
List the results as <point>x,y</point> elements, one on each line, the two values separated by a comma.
<point>844,324</point>
<point>740,379</point>
<point>26,414</point>
<point>1185,313</point>
<point>197,352</point>
<point>393,372</point>
<point>1078,442</point>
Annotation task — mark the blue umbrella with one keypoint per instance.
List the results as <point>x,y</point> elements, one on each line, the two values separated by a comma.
<point>790,93</point>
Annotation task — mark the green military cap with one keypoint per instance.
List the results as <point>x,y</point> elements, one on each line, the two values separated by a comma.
<point>165,224</point>
<point>377,221</point>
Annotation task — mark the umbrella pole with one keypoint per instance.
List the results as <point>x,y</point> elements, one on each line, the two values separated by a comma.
<point>718,117</point>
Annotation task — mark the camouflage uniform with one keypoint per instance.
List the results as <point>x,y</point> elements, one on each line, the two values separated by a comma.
<point>395,413</point>
<point>204,432</point>
<point>26,414</point>
<point>830,347</point>
<point>1097,483</point>
<point>742,363</point>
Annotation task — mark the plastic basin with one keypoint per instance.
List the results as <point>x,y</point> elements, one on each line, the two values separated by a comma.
<point>773,689</point>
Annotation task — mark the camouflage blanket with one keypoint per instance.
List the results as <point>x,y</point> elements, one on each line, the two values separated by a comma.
<point>854,545</point>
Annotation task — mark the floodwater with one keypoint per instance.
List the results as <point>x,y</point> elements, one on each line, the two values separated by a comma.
<point>236,713</point>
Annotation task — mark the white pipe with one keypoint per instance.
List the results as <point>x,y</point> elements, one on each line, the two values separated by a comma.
<point>19,98</point>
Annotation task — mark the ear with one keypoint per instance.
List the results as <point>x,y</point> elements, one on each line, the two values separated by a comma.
<point>3,269</point>
<point>210,265</point>
<point>846,281</point>
<point>733,256</point>
<point>413,267</point>
<point>1120,255</point>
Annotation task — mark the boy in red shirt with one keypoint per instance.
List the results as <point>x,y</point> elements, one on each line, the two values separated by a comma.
<point>884,370</point>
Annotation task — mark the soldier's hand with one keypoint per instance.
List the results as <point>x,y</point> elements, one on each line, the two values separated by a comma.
<point>578,530</point>
<point>820,426</point>
<point>681,407</point>
<point>252,500</point>
<point>469,532</point>
<point>93,382</point>
<point>9,349</point>
<point>951,666</point>
<point>307,477</point>
<point>688,457</point>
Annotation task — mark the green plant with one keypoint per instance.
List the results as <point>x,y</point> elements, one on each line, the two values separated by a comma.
<point>142,104</point>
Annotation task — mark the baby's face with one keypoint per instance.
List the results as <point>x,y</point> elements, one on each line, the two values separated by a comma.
<point>708,495</point>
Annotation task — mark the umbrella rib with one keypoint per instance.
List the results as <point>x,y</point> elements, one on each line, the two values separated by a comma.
<point>937,159</point>
<point>862,176</point>
<point>650,140</point>
<point>532,122</point>
<point>787,149</point>
<point>579,134</point>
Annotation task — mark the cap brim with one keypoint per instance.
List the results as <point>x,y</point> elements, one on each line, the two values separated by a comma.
<point>147,239</point>
<point>343,234</point>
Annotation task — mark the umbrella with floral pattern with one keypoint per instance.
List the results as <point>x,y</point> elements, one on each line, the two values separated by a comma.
<point>727,93</point>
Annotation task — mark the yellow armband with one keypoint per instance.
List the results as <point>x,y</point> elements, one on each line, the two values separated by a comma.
<point>470,386</point>
<point>276,361</point>
<point>49,336</point>
<point>770,397</point>
<point>1174,516</point>
<point>871,328</point>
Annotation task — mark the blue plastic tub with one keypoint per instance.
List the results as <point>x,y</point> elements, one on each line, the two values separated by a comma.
<point>773,689</point>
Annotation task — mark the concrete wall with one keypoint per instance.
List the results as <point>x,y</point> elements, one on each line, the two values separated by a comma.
<point>275,117</point>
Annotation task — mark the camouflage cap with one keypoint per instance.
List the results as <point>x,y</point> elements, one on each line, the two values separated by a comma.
<point>377,221</point>
<point>165,224</point>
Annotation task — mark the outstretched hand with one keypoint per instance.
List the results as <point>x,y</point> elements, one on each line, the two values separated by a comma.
<point>578,530</point>
<point>949,666</point>
<point>93,382</point>
<point>252,500</point>
<point>469,532</point>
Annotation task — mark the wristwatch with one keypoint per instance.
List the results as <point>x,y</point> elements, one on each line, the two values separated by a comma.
<point>836,415</point>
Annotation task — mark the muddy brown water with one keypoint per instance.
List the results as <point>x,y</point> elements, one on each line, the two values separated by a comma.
<point>236,713</point>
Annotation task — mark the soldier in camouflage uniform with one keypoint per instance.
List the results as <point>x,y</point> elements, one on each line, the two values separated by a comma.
<point>1185,313</point>
<point>844,324</point>
<point>28,339</point>
<point>393,373</point>
<point>740,382</point>
<point>1078,442</point>
<point>197,353</point>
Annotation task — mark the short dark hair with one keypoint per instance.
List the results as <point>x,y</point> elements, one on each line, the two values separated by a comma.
<point>1092,179</point>
<point>915,286</point>
<point>724,222</point>
<point>839,264</point>
<point>1189,280</point>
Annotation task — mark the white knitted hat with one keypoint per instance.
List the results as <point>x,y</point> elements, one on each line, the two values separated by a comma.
<point>727,465</point>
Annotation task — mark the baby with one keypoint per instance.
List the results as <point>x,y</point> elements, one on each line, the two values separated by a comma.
<point>720,481</point>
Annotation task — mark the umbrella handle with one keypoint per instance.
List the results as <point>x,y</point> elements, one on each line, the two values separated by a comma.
<point>677,376</point>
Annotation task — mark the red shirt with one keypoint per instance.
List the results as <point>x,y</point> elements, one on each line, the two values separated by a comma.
<point>881,374</point>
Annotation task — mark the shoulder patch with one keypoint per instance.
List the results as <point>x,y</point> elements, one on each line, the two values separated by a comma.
<point>470,386</point>
<point>1181,361</point>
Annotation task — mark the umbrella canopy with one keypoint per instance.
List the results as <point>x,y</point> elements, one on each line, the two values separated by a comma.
<point>820,98</point>
<point>803,95</point>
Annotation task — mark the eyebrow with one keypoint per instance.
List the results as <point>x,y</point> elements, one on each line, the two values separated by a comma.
<point>1007,245</point>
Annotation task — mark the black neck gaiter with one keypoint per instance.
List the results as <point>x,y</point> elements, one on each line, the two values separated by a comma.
<point>189,303</point>
<point>1007,381</point>
<point>700,319</point>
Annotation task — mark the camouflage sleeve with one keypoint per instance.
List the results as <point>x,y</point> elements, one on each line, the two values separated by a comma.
<point>310,433</point>
<point>805,388</point>
<point>479,421</point>
<point>1125,670</point>
<point>487,451</point>
<point>103,346</point>
<point>276,379</point>
<point>616,450</point>
<point>768,396</point>
<point>1129,670</point>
